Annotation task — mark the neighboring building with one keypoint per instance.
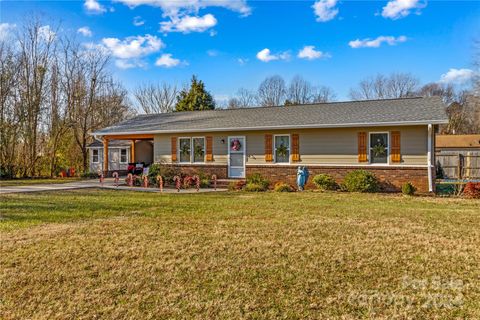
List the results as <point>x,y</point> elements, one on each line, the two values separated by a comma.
<point>391,138</point>
<point>120,153</point>
<point>462,143</point>
<point>458,155</point>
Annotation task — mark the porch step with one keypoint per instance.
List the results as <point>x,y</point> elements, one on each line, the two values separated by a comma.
<point>223,183</point>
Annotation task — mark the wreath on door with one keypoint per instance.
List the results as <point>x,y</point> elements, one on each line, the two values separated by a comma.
<point>235,145</point>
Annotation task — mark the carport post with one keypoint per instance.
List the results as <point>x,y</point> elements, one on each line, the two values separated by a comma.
<point>105,156</point>
<point>132,151</point>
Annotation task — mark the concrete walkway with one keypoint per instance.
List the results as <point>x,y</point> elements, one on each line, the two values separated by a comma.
<point>108,184</point>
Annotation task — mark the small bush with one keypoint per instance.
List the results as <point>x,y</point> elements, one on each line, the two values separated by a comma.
<point>360,181</point>
<point>89,175</point>
<point>236,185</point>
<point>282,187</point>
<point>257,178</point>
<point>325,182</point>
<point>408,189</point>
<point>472,190</point>
<point>254,187</point>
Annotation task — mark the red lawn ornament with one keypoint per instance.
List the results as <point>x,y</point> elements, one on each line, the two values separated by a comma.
<point>197,182</point>
<point>160,183</point>
<point>145,181</point>
<point>214,178</point>
<point>130,180</point>
<point>115,178</point>
<point>102,179</point>
<point>178,183</point>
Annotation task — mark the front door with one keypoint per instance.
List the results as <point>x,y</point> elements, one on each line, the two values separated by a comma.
<point>114,159</point>
<point>236,157</point>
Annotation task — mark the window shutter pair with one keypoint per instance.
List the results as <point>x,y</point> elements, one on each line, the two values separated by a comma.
<point>295,148</point>
<point>208,153</point>
<point>394,147</point>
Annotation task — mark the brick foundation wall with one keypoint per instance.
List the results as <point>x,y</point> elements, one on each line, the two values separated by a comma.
<point>391,178</point>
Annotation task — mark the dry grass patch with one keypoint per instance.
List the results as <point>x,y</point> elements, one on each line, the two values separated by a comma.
<point>109,254</point>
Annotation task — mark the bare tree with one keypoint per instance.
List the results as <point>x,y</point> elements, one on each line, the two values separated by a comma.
<point>323,94</point>
<point>156,98</point>
<point>446,92</point>
<point>396,85</point>
<point>300,91</point>
<point>243,99</point>
<point>271,91</point>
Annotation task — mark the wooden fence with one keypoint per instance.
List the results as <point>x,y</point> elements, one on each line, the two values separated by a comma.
<point>459,165</point>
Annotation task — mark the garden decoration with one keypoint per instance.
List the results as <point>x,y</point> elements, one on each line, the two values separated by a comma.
<point>115,178</point>
<point>235,145</point>
<point>178,183</point>
<point>197,182</point>
<point>214,178</point>
<point>145,181</point>
<point>102,179</point>
<point>130,180</point>
<point>160,183</point>
<point>302,177</point>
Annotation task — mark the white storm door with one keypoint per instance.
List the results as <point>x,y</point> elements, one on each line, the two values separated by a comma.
<point>114,159</point>
<point>236,157</point>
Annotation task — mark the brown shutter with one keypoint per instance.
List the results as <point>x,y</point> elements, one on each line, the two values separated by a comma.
<point>362,147</point>
<point>268,148</point>
<point>174,149</point>
<point>209,148</point>
<point>395,146</point>
<point>295,148</point>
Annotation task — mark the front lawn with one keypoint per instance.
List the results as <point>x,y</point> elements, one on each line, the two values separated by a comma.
<point>116,254</point>
<point>27,182</point>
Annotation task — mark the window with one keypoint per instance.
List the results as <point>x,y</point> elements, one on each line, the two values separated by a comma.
<point>192,149</point>
<point>184,149</point>
<point>123,155</point>
<point>199,149</point>
<point>379,147</point>
<point>282,149</point>
<point>94,155</point>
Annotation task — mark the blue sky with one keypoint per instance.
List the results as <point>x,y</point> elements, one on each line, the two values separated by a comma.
<point>224,42</point>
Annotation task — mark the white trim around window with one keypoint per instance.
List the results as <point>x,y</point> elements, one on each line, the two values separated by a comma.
<point>369,148</point>
<point>123,155</point>
<point>191,150</point>
<point>275,148</point>
<point>96,155</point>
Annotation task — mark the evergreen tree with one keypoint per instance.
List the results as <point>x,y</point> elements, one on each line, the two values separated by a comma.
<point>195,98</point>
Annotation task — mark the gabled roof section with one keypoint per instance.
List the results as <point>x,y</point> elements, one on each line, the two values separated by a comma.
<point>405,111</point>
<point>111,144</point>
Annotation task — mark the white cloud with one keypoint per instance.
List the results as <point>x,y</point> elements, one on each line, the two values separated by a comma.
<point>375,43</point>
<point>137,21</point>
<point>242,61</point>
<point>396,9</point>
<point>212,53</point>
<point>6,30</point>
<point>325,10</point>
<point>457,76</point>
<point>46,33</point>
<point>172,8</point>
<point>309,53</point>
<point>93,6</point>
<point>166,61</point>
<point>133,47</point>
<point>85,31</point>
<point>265,55</point>
<point>187,24</point>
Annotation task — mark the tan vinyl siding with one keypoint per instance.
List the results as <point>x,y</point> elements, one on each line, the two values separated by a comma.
<point>317,146</point>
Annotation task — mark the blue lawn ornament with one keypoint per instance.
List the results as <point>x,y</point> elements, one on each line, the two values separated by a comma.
<point>302,177</point>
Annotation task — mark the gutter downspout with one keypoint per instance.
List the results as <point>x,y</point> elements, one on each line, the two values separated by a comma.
<point>429,158</point>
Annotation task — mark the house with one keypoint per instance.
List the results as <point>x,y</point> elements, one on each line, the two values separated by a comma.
<point>458,155</point>
<point>393,138</point>
<point>120,153</point>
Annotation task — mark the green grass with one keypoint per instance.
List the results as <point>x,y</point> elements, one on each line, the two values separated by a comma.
<point>115,254</point>
<point>26,182</point>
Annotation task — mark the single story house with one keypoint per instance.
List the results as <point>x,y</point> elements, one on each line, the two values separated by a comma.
<point>392,138</point>
<point>120,153</point>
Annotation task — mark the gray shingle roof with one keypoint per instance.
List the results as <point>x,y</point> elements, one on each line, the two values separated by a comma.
<point>335,114</point>
<point>111,144</point>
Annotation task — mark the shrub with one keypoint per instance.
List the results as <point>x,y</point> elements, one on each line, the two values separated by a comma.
<point>236,185</point>
<point>325,182</point>
<point>254,187</point>
<point>89,175</point>
<point>283,187</point>
<point>472,190</point>
<point>360,181</point>
<point>256,178</point>
<point>408,189</point>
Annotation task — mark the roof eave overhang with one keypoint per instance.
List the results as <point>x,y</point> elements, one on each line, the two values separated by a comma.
<point>309,126</point>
